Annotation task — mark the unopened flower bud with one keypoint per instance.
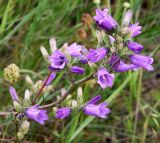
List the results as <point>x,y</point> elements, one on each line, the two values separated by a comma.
<point>39,84</point>
<point>79,96</point>
<point>20,135</point>
<point>63,91</point>
<point>74,103</point>
<point>29,81</point>
<point>31,84</point>
<point>24,127</point>
<point>54,110</point>
<point>99,36</point>
<point>44,53</point>
<point>12,73</point>
<point>97,1</point>
<point>113,49</point>
<point>126,5</point>
<point>27,98</point>
<point>53,44</point>
<point>17,106</point>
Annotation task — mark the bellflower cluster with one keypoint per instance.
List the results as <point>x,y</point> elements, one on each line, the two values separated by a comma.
<point>116,52</point>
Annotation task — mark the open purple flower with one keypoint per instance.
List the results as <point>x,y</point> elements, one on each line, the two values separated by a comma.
<point>36,114</point>
<point>97,54</point>
<point>119,66</point>
<point>135,29</point>
<point>134,46</point>
<point>77,70</point>
<point>51,78</point>
<point>13,93</point>
<point>99,110</point>
<point>142,61</point>
<point>123,67</point>
<point>62,113</point>
<point>104,20</point>
<point>74,50</point>
<point>58,60</point>
<point>105,78</point>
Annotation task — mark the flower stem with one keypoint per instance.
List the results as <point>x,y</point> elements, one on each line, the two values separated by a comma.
<point>70,90</point>
<point>41,89</point>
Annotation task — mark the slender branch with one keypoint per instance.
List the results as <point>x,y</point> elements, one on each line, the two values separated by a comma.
<point>41,89</point>
<point>70,90</point>
<point>7,140</point>
<point>7,113</point>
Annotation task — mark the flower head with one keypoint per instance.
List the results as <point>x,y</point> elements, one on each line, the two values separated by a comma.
<point>134,46</point>
<point>142,61</point>
<point>58,60</point>
<point>13,93</point>
<point>104,20</point>
<point>77,70</point>
<point>62,113</point>
<point>36,114</point>
<point>96,55</point>
<point>12,73</point>
<point>105,78</point>
<point>99,110</point>
<point>135,29</point>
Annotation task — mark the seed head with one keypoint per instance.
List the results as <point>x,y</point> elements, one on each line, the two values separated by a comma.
<point>12,73</point>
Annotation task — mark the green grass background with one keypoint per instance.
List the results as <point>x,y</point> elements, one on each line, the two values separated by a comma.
<point>25,25</point>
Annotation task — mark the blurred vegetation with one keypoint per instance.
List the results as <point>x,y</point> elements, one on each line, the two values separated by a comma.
<point>25,25</point>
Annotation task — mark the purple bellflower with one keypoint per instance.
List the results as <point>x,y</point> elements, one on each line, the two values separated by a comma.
<point>74,50</point>
<point>36,114</point>
<point>142,61</point>
<point>77,70</point>
<point>123,67</point>
<point>134,46</point>
<point>62,113</point>
<point>135,29</point>
<point>50,79</point>
<point>119,66</point>
<point>97,54</point>
<point>99,110</point>
<point>105,78</point>
<point>13,93</point>
<point>58,60</point>
<point>104,20</point>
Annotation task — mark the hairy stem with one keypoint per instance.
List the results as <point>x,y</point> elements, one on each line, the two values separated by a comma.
<point>42,87</point>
